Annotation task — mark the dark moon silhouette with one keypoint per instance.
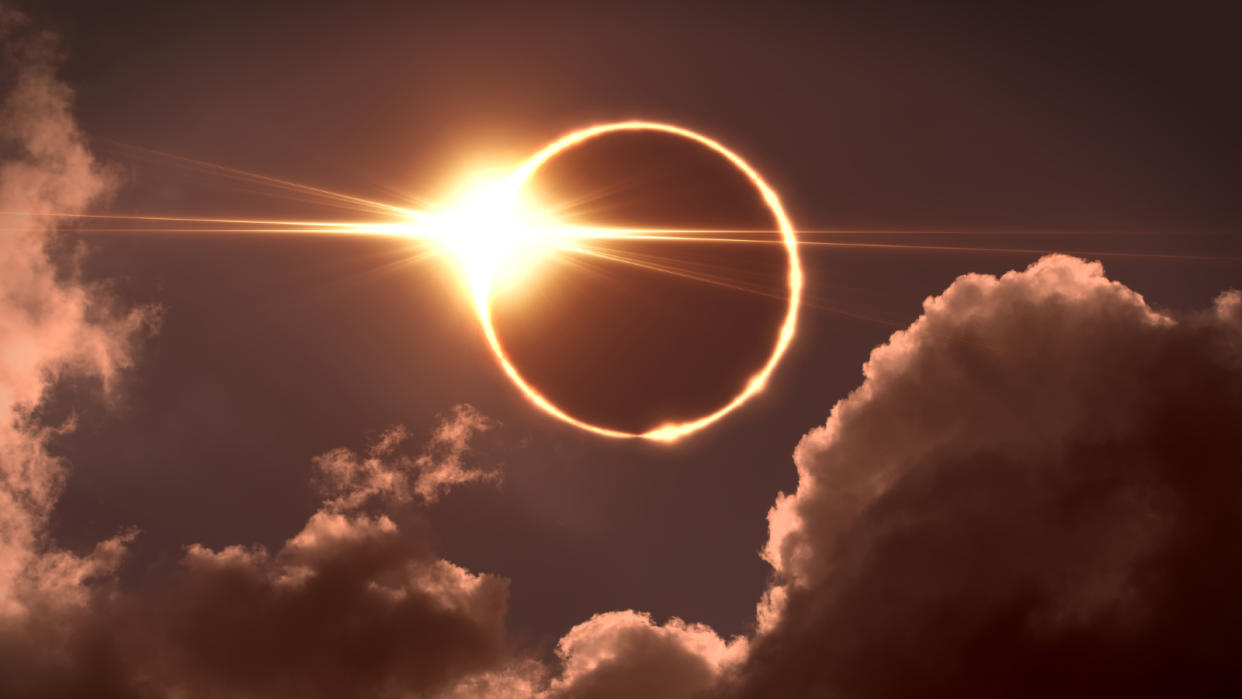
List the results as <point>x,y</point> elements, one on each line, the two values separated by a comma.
<point>662,345</point>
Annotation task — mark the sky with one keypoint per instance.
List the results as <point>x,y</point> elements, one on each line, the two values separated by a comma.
<point>285,465</point>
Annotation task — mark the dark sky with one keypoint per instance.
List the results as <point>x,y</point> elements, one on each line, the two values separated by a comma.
<point>1109,128</point>
<point>891,118</point>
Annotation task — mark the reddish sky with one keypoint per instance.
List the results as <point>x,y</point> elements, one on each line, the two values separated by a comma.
<point>961,470</point>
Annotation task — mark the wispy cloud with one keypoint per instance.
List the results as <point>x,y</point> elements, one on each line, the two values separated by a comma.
<point>349,479</point>
<point>53,325</point>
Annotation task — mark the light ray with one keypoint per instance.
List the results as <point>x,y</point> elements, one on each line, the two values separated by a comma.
<point>327,195</point>
<point>702,235</point>
<point>644,262</point>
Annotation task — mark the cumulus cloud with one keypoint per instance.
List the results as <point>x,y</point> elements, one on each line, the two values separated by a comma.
<point>616,655</point>
<point>349,479</point>
<point>1034,491</point>
<point>54,326</point>
<point>625,654</point>
<point>349,607</point>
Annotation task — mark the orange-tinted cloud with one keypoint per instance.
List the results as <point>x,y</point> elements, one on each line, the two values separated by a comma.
<point>349,479</point>
<point>53,326</point>
<point>1027,496</point>
<point>626,654</point>
<point>349,607</point>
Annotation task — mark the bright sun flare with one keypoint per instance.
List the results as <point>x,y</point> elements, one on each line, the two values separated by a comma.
<point>492,233</point>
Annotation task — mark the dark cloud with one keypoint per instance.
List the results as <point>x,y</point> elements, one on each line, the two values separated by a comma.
<point>1034,492</point>
<point>350,607</point>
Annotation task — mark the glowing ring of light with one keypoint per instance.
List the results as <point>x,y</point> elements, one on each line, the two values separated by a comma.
<point>674,430</point>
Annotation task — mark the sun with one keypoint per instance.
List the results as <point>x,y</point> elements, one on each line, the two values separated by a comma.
<point>494,233</point>
<point>497,234</point>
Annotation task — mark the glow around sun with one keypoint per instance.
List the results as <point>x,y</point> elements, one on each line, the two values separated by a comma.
<point>497,236</point>
<point>493,234</point>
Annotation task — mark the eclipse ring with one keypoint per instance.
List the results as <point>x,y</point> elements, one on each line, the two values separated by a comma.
<point>672,430</point>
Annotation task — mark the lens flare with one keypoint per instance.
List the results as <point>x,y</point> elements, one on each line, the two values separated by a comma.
<point>483,266</point>
<point>489,233</point>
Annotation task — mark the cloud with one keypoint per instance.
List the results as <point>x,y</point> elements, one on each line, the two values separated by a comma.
<point>616,655</point>
<point>625,654</point>
<point>54,325</point>
<point>1035,491</point>
<point>349,607</point>
<point>349,480</point>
